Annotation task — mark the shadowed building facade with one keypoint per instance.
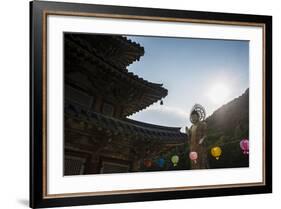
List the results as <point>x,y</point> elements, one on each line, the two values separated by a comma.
<point>99,94</point>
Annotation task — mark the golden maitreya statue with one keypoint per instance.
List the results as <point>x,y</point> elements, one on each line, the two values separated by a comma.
<point>197,135</point>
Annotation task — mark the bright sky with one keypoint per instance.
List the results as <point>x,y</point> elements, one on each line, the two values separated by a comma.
<point>208,72</point>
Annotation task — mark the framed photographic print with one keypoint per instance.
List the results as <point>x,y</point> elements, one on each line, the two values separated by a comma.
<point>139,104</point>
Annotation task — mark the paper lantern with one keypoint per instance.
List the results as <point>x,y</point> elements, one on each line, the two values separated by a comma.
<point>160,162</point>
<point>244,145</point>
<point>216,152</point>
<point>147,163</point>
<point>175,160</point>
<point>193,156</point>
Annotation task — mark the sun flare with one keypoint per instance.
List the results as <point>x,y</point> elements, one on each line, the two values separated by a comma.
<point>219,93</point>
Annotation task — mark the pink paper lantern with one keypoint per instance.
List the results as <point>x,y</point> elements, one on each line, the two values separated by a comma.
<point>244,145</point>
<point>193,156</point>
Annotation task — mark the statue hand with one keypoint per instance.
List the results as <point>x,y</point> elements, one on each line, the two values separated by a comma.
<point>201,140</point>
<point>186,131</point>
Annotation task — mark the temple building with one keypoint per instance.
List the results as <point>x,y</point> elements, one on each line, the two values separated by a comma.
<point>99,95</point>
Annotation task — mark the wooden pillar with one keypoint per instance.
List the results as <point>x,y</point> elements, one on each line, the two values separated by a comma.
<point>93,162</point>
<point>137,155</point>
<point>92,165</point>
<point>98,104</point>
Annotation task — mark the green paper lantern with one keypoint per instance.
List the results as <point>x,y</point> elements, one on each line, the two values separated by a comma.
<point>175,160</point>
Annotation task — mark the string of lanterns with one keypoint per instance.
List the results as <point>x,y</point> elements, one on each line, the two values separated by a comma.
<point>215,151</point>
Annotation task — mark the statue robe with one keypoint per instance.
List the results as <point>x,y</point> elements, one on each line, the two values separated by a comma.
<point>197,132</point>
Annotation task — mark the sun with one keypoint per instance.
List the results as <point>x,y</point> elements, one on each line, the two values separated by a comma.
<point>219,93</point>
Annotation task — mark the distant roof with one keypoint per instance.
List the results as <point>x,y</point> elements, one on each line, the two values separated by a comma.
<point>128,127</point>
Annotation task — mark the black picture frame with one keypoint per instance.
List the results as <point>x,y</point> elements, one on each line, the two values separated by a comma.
<point>38,12</point>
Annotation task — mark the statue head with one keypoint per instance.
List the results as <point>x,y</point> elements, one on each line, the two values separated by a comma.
<point>197,113</point>
<point>194,117</point>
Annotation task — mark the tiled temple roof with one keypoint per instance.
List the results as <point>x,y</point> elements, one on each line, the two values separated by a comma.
<point>80,51</point>
<point>116,50</point>
<point>127,127</point>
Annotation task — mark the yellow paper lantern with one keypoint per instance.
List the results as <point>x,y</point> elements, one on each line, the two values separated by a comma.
<point>175,160</point>
<point>216,152</point>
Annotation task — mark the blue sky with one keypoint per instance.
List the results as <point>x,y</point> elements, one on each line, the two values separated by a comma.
<point>204,71</point>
